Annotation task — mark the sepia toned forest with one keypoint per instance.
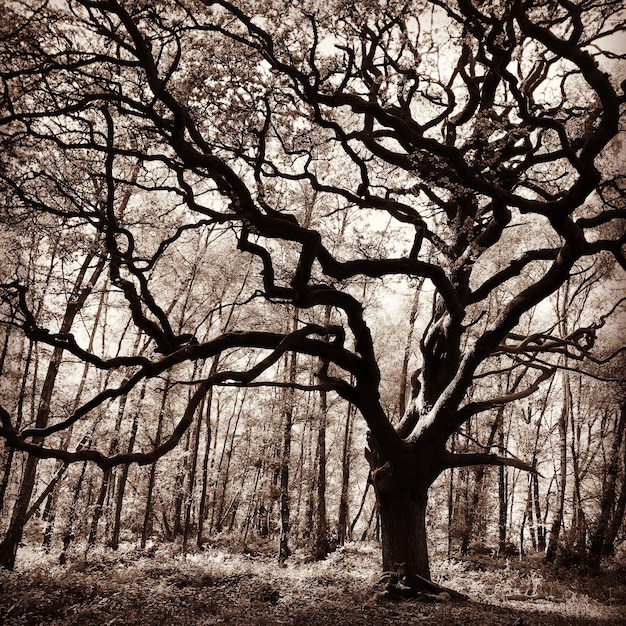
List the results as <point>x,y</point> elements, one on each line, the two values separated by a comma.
<point>308,283</point>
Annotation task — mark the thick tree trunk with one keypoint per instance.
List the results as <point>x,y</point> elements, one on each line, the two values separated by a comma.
<point>402,511</point>
<point>402,495</point>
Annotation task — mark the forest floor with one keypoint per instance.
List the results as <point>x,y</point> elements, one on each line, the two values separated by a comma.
<point>130,587</point>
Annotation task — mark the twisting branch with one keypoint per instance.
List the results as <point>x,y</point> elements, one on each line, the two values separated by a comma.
<point>468,459</point>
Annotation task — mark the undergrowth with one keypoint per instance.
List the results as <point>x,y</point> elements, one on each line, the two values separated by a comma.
<point>160,586</point>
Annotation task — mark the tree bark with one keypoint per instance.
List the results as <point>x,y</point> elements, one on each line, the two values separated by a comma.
<point>344,529</point>
<point>557,521</point>
<point>598,545</point>
<point>8,547</point>
<point>68,535</point>
<point>123,477</point>
<point>98,509</point>
<point>284,551</point>
<point>502,498</point>
<point>205,459</point>
<point>402,511</point>
<point>147,518</point>
<point>402,496</point>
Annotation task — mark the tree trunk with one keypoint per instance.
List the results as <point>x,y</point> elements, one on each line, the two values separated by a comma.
<point>147,518</point>
<point>179,487</point>
<point>191,480</point>
<point>284,551</point>
<point>123,478</point>
<point>598,539</point>
<point>541,529</point>
<point>321,546</point>
<point>368,482</point>
<point>502,498</point>
<point>205,459</point>
<point>402,510</point>
<point>402,495</point>
<point>557,521</point>
<point>8,547</point>
<point>69,535</point>
<point>285,523</point>
<point>408,350</point>
<point>98,509</point>
<point>344,530</point>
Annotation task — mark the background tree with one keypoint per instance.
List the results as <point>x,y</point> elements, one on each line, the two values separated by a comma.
<point>465,148</point>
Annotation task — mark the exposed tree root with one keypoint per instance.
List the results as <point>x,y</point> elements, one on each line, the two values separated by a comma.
<point>398,585</point>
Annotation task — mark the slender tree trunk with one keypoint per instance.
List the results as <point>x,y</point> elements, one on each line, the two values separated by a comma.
<point>68,535</point>
<point>617,520</point>
<point>179,488</point>
<point>598,543</point>
<point>205,459</point>
<point>344,530</point>
<point>502,498</point>
<point>98,509</point>
<point>321,546</point>
<point>51,488</point>
<point>18,423</point>
<point>284,550</point>
<point>191,480</point>
<point>308,481</point>
<point>9,458</point>
<point>227,453</point>
<point>451,499</point>
<point>147,518</point>
<point>50,509</point>
<point>8,547</point>
<point>541,528</point>
<point>107,485</point>
<point>123,477</point>
<point>252,506</point>
<point>557,521</point>
<point>368,483</point>
<point>579,522</point>
<point>529,514</point>
<point>28,360</point>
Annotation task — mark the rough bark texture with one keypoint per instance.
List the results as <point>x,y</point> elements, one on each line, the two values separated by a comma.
<point>402,496</point>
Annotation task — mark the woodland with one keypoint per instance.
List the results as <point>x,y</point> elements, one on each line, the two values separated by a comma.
<point>312,312</point>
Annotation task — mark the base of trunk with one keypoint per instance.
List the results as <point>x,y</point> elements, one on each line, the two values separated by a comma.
<point>399,586</point>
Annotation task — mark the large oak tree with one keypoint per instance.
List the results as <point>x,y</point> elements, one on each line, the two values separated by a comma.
<point>482,139</point>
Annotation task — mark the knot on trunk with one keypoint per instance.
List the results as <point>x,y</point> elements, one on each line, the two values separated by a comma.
<point>382,475</point>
